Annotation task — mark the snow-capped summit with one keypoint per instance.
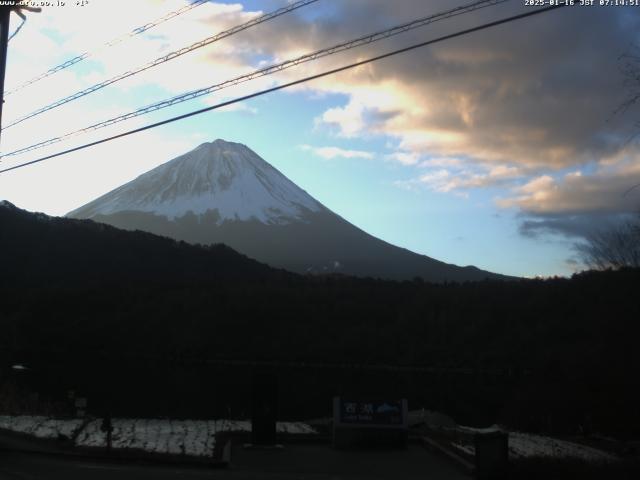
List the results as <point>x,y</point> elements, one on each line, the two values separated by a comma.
<point>223,192</point>
<point>218,176</point>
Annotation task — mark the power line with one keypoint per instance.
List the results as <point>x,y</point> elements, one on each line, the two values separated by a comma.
<point>358,42</point>
<point>293,83</point>
<point>166,58</point>
<point>110,43</point>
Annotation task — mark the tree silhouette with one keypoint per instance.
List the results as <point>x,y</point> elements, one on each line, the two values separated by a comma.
<point>630,68</point>
<point>614,247</point>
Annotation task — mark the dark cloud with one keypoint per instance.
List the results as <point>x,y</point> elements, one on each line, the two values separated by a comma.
<point>574,227</point>
<point>539,91</point>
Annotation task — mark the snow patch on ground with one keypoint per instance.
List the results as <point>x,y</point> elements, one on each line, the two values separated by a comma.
<point>176,437</point>
<point>525,445</point>
<point>529,445</point>
<point>295,428</point>
<point>163,436</point>
<point>40,426</point>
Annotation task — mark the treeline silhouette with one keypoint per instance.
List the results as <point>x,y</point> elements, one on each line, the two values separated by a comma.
<point>137,323</point>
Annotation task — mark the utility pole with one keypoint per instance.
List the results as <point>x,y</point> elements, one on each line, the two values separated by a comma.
<point>5,12</point>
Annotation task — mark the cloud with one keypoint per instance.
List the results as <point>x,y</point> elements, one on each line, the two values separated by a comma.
<point>405,158</point>
<point>571,226</point>
<point>575,193</point>
<point>575,204</point>
<point>480,96</point>
<point>330,153</point>
<point>490,110</point>
<point>460,181</point>
<point>476,95</point>
<point>69,27</point>
<point>442,162</point>
<point>66,35</point>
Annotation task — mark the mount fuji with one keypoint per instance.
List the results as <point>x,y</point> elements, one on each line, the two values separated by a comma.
<point>223,192</point>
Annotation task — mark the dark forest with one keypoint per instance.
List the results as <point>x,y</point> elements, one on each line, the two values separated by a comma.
<point>140,323</point>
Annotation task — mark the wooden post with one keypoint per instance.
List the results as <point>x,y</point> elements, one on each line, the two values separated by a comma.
<point>264,408</point>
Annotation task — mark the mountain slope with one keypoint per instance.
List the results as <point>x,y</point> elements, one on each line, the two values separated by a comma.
<point>41,250</point>
<point>222,192</point>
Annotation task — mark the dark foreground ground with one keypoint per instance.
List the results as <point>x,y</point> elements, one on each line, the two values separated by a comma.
<point>317,462</point>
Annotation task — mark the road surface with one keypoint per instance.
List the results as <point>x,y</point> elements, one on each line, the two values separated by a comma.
<point>292,462</point>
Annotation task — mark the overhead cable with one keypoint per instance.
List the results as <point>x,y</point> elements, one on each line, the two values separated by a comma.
<point>110,43</point>
<point>291,84</point>
<point>165,58</point>
<point>341,47</point>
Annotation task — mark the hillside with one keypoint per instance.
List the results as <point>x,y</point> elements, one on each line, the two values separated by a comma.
<point>39,249</point>
<point>155,327</point>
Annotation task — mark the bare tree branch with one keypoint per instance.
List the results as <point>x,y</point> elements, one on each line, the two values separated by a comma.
<point>615,247</point>
<point>630,68</point>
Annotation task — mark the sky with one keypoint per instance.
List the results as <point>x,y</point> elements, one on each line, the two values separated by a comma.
<point>502,149</point>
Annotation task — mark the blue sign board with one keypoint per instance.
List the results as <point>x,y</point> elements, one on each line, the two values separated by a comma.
<point>371,412</point>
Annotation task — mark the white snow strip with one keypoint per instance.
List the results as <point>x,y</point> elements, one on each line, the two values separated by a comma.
<point>528,445</point>
<point>40,426</point>
<point>525,445</point>
<point>177,437</point>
